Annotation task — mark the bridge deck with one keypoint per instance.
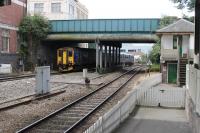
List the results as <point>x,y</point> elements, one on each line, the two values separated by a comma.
<point>111,26</point>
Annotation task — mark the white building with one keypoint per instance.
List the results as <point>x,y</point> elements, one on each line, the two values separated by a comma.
<point>58,9</point>
<point>177,50</point>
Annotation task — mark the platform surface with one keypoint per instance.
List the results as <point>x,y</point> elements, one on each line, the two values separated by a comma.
<point>156,120</point>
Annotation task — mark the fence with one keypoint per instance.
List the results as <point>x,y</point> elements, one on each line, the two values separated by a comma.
<point>121,111</point>
<point>193,84</point>
<point>164,96</point>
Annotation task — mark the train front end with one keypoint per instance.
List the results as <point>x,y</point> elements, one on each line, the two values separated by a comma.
<point>65,59</point>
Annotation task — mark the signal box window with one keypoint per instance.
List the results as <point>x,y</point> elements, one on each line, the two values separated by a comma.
<point>177,40</point>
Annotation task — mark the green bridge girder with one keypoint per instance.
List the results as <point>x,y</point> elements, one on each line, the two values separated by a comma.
<point>119,30</point>
<point>111,26</point>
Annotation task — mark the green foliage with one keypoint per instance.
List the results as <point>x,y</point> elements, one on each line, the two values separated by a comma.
<point>166,20</point>
<point>189,18</point>
<point>155,68</point>
<point>144,59</point>
<point>32,30</point>
<point>35,26</point>
<point>155,53</point>
<point>181,4</point>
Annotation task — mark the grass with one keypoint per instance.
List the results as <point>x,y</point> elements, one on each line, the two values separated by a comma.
<point>155,68</point>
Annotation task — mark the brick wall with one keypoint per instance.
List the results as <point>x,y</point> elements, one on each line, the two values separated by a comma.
<point>11,14</point>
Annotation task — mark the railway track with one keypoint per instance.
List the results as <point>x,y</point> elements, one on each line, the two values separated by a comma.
<point>67,118</point>
<point>17,77</point>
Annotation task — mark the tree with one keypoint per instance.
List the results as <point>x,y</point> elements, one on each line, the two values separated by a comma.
<point>189,18</point>
<point>154,55</point>
<point>32,30</point>
<point>166,20</point>
<point>181,4</point>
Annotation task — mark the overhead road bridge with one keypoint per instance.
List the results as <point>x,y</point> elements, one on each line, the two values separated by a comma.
<point>108,34</point>
<point>117,30</point>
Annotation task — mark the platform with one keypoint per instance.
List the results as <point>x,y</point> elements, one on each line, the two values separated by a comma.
<point>156,120</point>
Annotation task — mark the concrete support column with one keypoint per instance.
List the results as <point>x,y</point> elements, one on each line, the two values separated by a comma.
<point>116,56</point>
<point>97,54</point>
<point>113,55</point>
<point>110,62</point>
<point>101,56</point>
<point>119,56</point>
<point>105,59</point>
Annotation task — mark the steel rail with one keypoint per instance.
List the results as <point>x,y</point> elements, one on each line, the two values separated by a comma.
<point>70,104</point>
<point>18,77</point>
<point>109,97</point>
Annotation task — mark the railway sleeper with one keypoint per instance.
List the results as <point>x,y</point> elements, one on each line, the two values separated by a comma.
<point>67,119</point>
<point>50,126</point>
<point>46,131</point>
<point>82,108</point>
<point>74,114</point>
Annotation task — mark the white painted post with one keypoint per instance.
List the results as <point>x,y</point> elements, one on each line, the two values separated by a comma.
<point>84,73</point>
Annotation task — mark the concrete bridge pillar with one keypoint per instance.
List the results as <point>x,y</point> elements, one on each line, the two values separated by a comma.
<point>113,55</point>
<point>97,54</point>
<point>119,56</point>
<point>101,56</point>
<point>116,55</point>
<point>110,62</point>
<point>105,59</point>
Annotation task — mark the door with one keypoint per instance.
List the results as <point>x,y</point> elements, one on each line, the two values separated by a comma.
<point>172,73</point>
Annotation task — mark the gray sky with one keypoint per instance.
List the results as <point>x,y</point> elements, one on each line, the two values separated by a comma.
<point>131,8</point>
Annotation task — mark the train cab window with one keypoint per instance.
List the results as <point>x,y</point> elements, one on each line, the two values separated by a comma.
<point>70,53</point>
<point>60,53</point>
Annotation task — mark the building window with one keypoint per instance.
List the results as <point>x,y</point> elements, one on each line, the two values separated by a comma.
<point>38,7</point>
<point>177,40</point>
<point>55,7</point>
<point>5,41</point>
<point>71,10</point>
<point>5,44</point>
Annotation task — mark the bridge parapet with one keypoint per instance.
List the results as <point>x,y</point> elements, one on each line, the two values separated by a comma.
<point>110,26</point>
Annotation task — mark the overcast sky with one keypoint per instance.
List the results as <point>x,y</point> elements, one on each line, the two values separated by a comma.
<point>131,8</point>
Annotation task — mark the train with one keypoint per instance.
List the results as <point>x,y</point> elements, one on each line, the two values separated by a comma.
<point>126,59</point>
<point>70,58</point>
<point>75,59</point>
